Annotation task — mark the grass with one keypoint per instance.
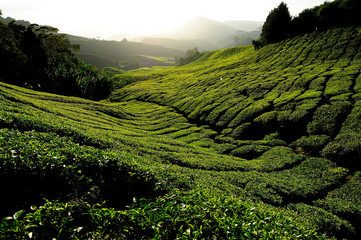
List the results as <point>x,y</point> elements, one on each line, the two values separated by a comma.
<point>239,144</point>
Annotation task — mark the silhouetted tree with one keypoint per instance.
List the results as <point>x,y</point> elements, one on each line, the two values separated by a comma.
<point>305,22</point>
<point>277,25</point>
<point>329,15</point>
<point>190,56</point>
<point>39,57</point>
<point>256,44</point>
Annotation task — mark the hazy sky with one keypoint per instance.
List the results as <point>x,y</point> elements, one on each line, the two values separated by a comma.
<point>107,17</point>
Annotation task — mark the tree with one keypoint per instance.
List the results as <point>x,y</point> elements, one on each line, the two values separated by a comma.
<point>256,44</point>
<point>277,25</point>
<point>191,55</point>
<point>305,22</point>
<point>330,15</point>
<point>39,57</point>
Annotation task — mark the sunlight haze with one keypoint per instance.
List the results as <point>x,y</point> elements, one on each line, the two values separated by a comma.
<point>138,17</point>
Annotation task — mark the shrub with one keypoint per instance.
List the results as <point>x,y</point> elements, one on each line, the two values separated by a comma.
<point>250,151</point>
<point>327,117</point>
<point>312,144</point>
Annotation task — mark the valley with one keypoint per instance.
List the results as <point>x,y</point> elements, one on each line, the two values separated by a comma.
<point>268,140</point>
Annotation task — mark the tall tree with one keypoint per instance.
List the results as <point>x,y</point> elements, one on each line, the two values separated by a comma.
<point>305,22</point>
<point>277,25</point>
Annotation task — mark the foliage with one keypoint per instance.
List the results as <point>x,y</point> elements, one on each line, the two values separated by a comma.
<point>190,56</point>
<point>345,201</point>
<point>125,55</point>
<point>199,214</point>
<point>291,108</point>
<point>279,25</point>
<point>38,57</point>
<point>281,107</point>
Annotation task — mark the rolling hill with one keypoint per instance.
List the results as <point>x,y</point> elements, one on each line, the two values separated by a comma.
<point>181,44</point>
<point>207,34</point>
<point>124,54</point>
<point>238,144</point>
<point>302,94</point>
<point>245,25</point>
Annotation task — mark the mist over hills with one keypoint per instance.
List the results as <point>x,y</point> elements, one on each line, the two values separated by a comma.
<point>162,49</point>
<point>10,19</point>
<point>180,44</point>
<point>245,25</point>
<point>206,34</point>
<point>203,28</point>
<point>202,33</point>
<point>122,54</point>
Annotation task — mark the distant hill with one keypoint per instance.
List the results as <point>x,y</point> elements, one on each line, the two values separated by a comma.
<point>203,28</point>
<point>245,25</point>
<point>207,34</point>
<point>124,54</point>
<point>10,19</point>
<point>180,44</point>
<point>239,38</point>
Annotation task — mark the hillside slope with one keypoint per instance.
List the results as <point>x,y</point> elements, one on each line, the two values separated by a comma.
<point>306,86</point>
<point>124,54</point>
<point>303,93</point>
<point>77,153</point>
<point>218,35</point>
<point>239,144</point>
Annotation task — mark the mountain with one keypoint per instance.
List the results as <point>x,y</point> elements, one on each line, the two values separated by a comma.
<point>124,54</point>
<point>181,44</point>
<point>207,34</point>
<point>204,34</point>
<point>239,38</point>
<point>203,28</point>
<point>245,25</point>
<point>20,22</point>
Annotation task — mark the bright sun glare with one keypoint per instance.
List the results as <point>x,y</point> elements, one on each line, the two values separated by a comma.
<point>108,17</point>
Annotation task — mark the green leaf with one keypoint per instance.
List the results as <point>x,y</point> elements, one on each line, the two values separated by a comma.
<point>18,214</point>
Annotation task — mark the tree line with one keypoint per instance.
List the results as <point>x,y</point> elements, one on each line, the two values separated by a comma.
<point>280,24</point>
<point>190,56</point>
<point>40,58</point>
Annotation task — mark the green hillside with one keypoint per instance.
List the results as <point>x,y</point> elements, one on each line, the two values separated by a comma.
<point>240,144</point>
<point>124,54</point>
<point>301,94</point>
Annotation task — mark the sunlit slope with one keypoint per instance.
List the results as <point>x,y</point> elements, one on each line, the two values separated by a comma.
<point>279,126</point>
<point>70,149</point>
<point>307,89</point>
<point>116,151</point>
<point>302,94</point>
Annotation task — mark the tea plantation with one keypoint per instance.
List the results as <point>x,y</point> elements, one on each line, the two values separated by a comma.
<point>240,144</point>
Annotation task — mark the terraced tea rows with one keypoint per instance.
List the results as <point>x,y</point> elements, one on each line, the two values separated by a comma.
<point>286,88</point>
<point>303,93</point>
<point>279,126</point>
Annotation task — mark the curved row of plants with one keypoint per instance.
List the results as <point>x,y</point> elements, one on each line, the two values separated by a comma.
<point>188,131</point>
<point>302,94</point>
<point>91,159</point>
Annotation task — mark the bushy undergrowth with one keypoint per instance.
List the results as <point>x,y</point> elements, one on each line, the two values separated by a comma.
<point>38,57</point>
<point>304,89</point>
<point>276,130</point>
<point>199,214</point>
